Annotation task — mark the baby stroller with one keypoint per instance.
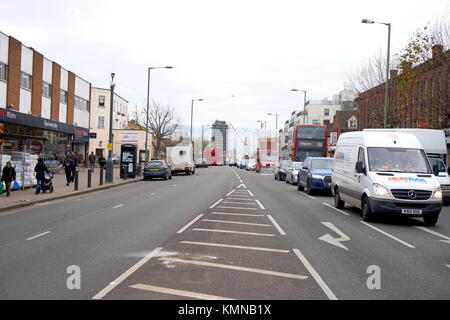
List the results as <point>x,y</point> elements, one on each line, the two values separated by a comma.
<point>48,181</point>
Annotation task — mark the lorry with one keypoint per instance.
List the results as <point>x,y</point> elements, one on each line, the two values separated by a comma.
<point>435,146</point>
<point>180,159</point>
<point>385,173</point>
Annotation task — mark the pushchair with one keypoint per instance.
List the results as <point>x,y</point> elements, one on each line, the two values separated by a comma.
<point>48,181</point>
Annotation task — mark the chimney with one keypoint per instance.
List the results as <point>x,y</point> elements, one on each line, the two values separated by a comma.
<point>393,73</point>
<point>437,49</point>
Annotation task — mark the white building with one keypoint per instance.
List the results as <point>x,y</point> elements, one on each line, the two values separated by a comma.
<point>100,111</point>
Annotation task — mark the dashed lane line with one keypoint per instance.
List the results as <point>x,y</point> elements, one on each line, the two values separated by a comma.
<point>250,193</point>
<point>236,232</point>
<point>330,206</point>
<point>234,222</point>
<point>307,195</point>
<point>315,275</point>
<point>38,235</point>
<point>238,268</point>
<point>221,245</point>
<point>180,293</point>
<point>388,235</point>
<point>447,239</point>
<point>125,275</point>
<point>277,226</point>
<point>190,224</point>
<point>118,206</point>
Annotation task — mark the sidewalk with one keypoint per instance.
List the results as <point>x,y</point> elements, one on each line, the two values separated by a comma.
<point>27,197</point>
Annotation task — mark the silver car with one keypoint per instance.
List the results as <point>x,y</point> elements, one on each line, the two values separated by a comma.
<point>292,172</point>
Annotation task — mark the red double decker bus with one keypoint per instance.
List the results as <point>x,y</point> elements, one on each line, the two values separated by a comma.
<point>310,141</point>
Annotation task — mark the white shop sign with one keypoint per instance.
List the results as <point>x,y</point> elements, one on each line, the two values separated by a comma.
<point>129,137</point>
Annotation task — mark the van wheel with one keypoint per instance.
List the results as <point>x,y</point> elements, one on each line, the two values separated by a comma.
<point>338,203</point>
<point>430,219</point>
<point>188,173</point>
<point>366,211</point>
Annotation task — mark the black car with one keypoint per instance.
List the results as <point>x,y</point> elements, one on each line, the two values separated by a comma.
<point>157,169</point>
<point>281,169</point>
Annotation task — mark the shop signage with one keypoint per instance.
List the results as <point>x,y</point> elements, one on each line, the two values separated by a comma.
<point>129,137</point>
<point>93,135</point>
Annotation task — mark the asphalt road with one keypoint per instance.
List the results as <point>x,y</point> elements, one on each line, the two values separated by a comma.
<point>222,233</point>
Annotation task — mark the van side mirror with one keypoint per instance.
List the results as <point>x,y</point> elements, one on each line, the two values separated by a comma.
<point>436,170</point>
<point>360,168</point>
<point>305,167</point>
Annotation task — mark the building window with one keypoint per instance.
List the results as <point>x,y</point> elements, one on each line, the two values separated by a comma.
<point>46,89</point>
<point>326,112</point>
<point>315,121</point>
<point>101,101</point>
<point>3,71</point>
<point>81,104</point>
<point>63,96</point>
<point>101,122</point>
<point>25,81</point>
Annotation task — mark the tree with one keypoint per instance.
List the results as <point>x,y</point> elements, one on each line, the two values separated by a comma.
<point>162,122</point>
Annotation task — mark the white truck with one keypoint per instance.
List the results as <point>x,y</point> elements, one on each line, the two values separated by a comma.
<point>180,159</point>
<point>435,146</point>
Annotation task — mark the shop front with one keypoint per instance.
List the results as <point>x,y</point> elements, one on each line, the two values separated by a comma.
<point>45,138</point>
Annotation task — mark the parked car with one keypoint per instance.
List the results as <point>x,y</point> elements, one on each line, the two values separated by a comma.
<point>281,169</point>
<point>242,164</point>
<point>315,174</point>
<point>251,165</point>
<point>157,169</point>
<point>292,172</point>
<point>115,158</point>
<point>200,163</point>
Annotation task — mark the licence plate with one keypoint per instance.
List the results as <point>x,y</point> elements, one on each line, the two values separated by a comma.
<point>411,211</point>
<point>155,169</point>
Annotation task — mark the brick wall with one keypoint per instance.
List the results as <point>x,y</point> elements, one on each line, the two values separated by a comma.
<point>36,95</point>
<point>14,59</point>
<point>56,90</point>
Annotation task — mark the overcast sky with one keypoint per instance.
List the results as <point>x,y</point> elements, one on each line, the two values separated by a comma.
<point>254,50</point>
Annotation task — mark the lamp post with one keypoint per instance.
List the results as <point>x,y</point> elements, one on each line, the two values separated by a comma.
<point>304,103</point>
<point>207,125</point>
<point>148,107</point>
<point>386,92</point>
<point>109,162</point>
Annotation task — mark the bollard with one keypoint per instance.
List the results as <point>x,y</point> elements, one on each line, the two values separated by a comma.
<point>75,180</point>
<point>89,178</point>
<point>101,175</point>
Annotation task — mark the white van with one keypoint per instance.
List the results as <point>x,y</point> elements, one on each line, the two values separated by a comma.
<point>180,159</point>
<point>385,172</point>
<point>435,146</point>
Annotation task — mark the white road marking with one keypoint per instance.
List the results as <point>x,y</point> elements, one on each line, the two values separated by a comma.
<point>266,174</point>
<point>389,235</point>
<point>233,246</point>
<point>260,204</point>
<point>315,275</point>
<point>250,193</point>
<point>246,203</point>
<point>237,208</point>
<point>242,185</point>
<point>125,275</point>
<point>215,204</point>
<point>234,222</point>
<point>307,195</point>
<point>190,224</point>
<point>231,193</point>
<point>39,235</point>
<point>118,206</point>
<point>181,293</point>
<point>231,267</point>
<point>335,209</point>
<point>447,239</point>
<point>153,194</point>
<point>447,265</point>
<point>241,199</point>
<point>237,214</point>
<point>236,232</point>
<point>335,241</point>
<point>281,231</point>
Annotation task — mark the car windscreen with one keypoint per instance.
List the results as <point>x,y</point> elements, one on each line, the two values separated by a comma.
<point>322,164</point>
<point>297,165</point>
<point>438,162</point>
<point>398,160</point>
<point>286,164</point>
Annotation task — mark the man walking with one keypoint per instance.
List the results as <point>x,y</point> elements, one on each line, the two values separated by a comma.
<point>92,161</point>
<point>8,176</point>
<point>40,170</point>
<point>68,168</point>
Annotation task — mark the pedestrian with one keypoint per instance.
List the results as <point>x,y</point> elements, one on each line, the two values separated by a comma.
<point>8,176</point>
<point>40,170</point>
<point>92,161</point>
<point>68,168</point>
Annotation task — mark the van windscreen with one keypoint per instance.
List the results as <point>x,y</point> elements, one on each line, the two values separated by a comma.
<point>398,160</point>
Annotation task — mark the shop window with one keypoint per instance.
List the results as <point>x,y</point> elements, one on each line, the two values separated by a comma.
<point>25,81</point>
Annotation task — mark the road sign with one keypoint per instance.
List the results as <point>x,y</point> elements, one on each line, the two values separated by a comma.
<point>110,146</point>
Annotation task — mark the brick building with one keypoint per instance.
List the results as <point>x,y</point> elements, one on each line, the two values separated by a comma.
<point>419,97</point>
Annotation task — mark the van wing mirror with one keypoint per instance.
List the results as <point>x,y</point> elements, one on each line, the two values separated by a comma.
<point>360,168</point>
<point>436,170</point>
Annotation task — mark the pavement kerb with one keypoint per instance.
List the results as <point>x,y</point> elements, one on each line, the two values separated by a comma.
<point>74,194</point>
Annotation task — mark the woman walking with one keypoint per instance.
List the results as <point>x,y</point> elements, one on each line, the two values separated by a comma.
<point>40,170</point>
<point>8,176</point>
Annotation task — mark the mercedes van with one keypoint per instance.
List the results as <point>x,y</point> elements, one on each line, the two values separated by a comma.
<point>385,172</point>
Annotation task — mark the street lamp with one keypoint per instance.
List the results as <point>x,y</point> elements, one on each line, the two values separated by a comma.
<point>207,125</point>
<point>304,103</point>
<point>386,93</point>
<point>148,107</point>
<point>109,162</point>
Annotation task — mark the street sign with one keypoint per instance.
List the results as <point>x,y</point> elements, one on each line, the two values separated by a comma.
<point>93,135</point>
<point>110,146</point>
<point>422,124</point>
